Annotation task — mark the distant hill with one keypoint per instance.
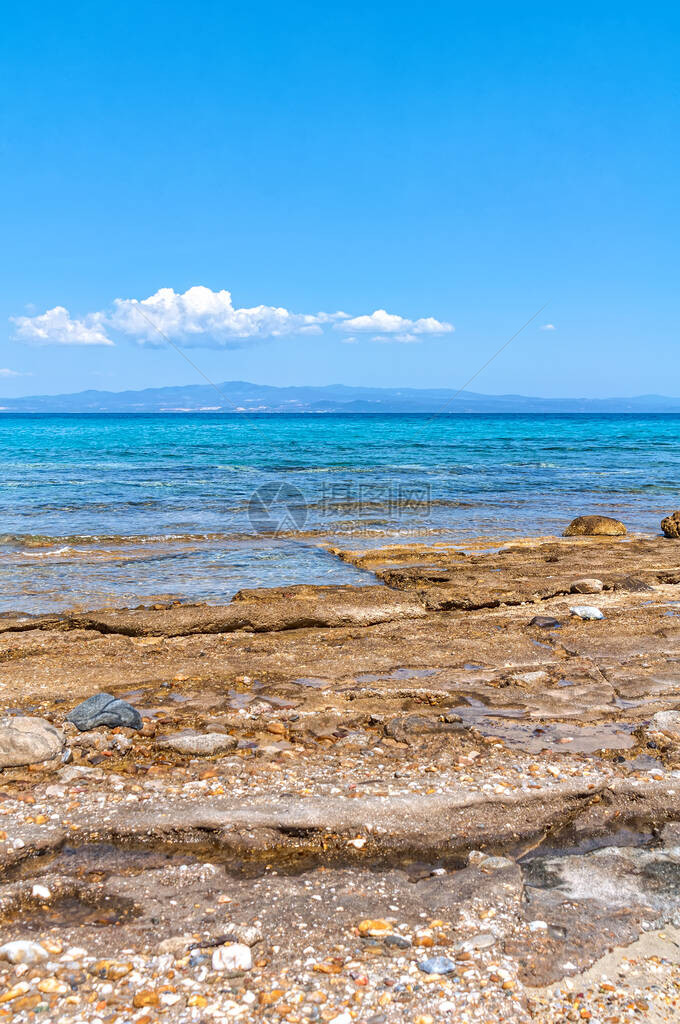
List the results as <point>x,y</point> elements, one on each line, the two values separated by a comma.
<point>239,396</point>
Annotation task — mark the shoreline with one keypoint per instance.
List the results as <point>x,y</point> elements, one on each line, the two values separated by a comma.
<point>337,754</point>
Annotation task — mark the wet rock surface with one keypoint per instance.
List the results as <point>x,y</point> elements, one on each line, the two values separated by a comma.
<point>318,801</point>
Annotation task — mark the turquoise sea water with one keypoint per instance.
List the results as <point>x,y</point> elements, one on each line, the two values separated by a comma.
<point>120,509</point>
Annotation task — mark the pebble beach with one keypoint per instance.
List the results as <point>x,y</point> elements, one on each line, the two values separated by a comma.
<point>450,795</point>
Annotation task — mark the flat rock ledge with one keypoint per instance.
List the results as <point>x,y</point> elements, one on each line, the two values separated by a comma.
<point>262,611</point>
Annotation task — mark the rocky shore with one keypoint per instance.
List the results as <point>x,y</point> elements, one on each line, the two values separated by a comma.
<point>450,794</point>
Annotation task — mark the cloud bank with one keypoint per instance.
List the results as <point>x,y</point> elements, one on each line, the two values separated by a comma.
<point>200,317</point>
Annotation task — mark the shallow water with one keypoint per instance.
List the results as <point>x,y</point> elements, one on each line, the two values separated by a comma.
<point>512,726</point>
<point>119,509</point>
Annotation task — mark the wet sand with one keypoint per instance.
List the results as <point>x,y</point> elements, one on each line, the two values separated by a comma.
<point>417,772</point>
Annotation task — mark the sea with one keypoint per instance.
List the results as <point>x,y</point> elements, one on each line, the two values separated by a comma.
<point>122,510</point>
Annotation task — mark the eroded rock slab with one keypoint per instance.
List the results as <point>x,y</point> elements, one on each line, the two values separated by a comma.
<point>300,607</point>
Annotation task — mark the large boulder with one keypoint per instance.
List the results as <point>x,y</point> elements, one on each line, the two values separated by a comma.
<point>25,740</point>
<point>105,709</point>
<point>595,526</point>
<point>671,525</point>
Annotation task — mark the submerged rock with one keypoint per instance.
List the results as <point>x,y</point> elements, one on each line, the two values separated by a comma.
<point>25,740</point>
<point>202,744</point>
<point>595,526</point>
<point>403,729</point>
<point>105,709</point>
<point>586,611</point>
<point>487,863</point>
<point>671,525</point>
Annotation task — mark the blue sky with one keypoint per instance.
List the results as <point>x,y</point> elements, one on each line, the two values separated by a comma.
<point>454,165</point>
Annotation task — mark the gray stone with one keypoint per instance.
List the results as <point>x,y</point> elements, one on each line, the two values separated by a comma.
<point>545,622</point>
<point>203,744</point>
<point>437,965</point>
<point>104,709</point>
<point>25,740</point>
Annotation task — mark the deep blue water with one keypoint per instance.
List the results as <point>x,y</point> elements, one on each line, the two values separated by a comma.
<point>120,509</point>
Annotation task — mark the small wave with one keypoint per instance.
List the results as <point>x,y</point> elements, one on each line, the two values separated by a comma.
<point>38,540</point>
<point>47,554</point>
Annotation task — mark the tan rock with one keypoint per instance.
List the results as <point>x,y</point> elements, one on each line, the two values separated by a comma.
<point>375,927</point>
<point>671,525</point>
<point>147,997</point>
<point>52,986</point>
<point>111,969</point>
<point>14,992</point>
<point>587,586</point>
<point>595,526</point>
<point>26,740</point>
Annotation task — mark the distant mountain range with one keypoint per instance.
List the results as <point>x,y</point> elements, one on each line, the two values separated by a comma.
<point>239,396</point>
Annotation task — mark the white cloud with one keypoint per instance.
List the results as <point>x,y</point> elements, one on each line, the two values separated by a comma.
<point>202,317</point>
<point>56,327</point>
<point>390,327</point>
<point>11,373</point>
<point>548,327</point>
